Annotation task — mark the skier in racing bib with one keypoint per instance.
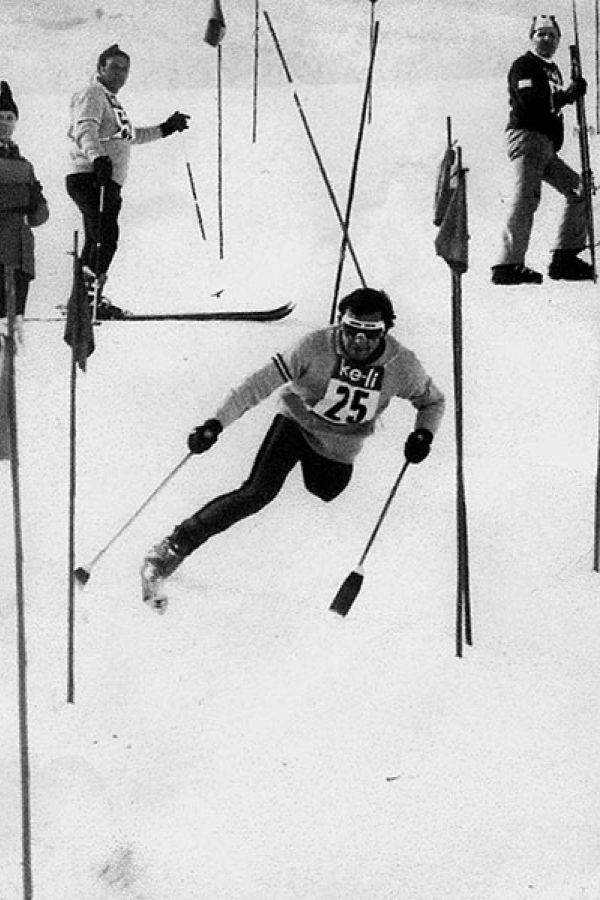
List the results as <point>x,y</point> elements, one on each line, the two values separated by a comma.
<point>335,382</point>
<point>101,135</point>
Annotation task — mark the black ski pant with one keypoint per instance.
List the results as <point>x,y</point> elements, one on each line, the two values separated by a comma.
<point>283,447</point>
<point>101,232</point>
<point>22,280</point>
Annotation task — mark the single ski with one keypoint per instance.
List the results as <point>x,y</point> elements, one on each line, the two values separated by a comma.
<point>246,315</point>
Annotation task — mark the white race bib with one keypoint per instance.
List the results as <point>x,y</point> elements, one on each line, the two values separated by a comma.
<point>352,394</point>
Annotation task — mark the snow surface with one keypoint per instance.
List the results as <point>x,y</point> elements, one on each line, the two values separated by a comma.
<point>248,745</point>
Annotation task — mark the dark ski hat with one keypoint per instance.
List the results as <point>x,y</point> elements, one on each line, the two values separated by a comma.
<point>7,104</point>
<point>543,21</point>
<point>113,50</point>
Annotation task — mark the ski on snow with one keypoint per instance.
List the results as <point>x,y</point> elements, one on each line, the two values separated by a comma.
<point>247,315</point>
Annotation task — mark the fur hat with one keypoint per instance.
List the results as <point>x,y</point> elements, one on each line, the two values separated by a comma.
<point>7,104</point>
<point>543,21</point>
<point>113,50</point>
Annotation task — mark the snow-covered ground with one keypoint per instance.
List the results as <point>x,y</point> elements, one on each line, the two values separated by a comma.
<point>248,745</point>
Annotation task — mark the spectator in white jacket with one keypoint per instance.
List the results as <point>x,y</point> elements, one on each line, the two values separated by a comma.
<point>101,135</point>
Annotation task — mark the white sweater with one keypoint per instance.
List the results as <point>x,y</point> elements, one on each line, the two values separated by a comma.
<point>101,127</point>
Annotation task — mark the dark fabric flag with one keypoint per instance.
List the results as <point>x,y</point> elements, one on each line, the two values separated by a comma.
<point>442,188</point>
<point>215,30</point>
<point>4,420</point>
<point>452,240</point>
<point>79,331</point>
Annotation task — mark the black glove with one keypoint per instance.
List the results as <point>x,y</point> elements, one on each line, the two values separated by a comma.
<point>103,169</point>
<point>417,445</point>
<point>204,436</point>
<point>575,90</point>
<point>176,122</point>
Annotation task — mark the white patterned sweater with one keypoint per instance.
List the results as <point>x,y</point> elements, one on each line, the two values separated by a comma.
<point>101,127</point>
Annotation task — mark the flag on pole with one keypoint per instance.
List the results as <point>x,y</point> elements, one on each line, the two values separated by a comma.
<point>4,418</point>
<point>79,332</point>
<point>452,240</point>
<point>215,30</point>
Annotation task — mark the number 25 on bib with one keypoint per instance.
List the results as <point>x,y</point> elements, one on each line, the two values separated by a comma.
<point>352,394</point>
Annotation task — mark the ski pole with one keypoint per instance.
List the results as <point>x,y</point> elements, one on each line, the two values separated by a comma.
<point>82,573</point>
<point>97,285</point>
<point>353,176</point>
<point>195,198</point>
<point>348,591</point>
<point>315,150</point>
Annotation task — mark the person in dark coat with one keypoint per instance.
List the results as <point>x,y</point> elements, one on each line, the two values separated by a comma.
<point>22,207</point>
<point>535,134</point>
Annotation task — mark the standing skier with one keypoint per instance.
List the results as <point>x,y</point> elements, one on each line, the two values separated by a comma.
<point>535,134</point>
<point>336,383</point>
<point>22,207</point>
<point>101,135</point>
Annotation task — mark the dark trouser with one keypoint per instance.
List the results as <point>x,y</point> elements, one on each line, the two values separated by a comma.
<point>99,229</point>
<point>283,447</point>
<point>21,288</point>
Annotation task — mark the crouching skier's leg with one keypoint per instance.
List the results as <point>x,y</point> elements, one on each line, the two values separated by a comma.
<point>276,457</point>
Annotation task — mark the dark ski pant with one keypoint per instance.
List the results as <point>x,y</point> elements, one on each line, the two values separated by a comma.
<point>22,280</point>
<point>283,447</point>
<point>103,229</point>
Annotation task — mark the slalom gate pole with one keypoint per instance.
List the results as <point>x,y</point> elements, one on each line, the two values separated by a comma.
<point>353,176</point>
<point>255,71</point>
<point>314,148</point>
<point>83,573</point>
<point>463,598</point>
<point>72,494</point>
<point>97,285</point>
<point>10,349</point>
<point>220,148</point>
<point>371,39</point>
<point>597,60</point>
<point>349,589</point>
<point>463,601</point>
<point>584,146</point>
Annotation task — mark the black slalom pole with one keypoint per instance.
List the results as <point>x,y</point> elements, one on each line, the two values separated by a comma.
<point>371,40</point>
<point>10,349</point>
<point>587,176</point>
<point>353,176</point>
<point>255,71</point>
<point>314,147</point>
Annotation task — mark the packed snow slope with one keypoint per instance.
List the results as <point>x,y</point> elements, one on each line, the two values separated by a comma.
<point>248,745</point>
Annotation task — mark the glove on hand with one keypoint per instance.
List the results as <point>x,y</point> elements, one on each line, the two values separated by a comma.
<point>575,90</point>
<point>417,445</point>
<point>103,169</point>
<point>176,122</point>
<point>204,436</point>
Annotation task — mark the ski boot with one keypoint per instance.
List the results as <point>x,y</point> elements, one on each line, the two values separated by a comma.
<point>159,563</point>
<point>105,310</point>
<point>515,274</point>
<point>566,266</point>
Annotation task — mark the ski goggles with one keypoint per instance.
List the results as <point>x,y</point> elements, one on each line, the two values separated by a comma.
<point>351,327</point>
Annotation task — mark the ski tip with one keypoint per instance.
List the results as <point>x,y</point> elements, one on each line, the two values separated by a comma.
<point>81,575</point>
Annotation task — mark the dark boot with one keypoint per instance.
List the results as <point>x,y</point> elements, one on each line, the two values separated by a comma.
<point>515,274</point>
<point>566,266</point>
